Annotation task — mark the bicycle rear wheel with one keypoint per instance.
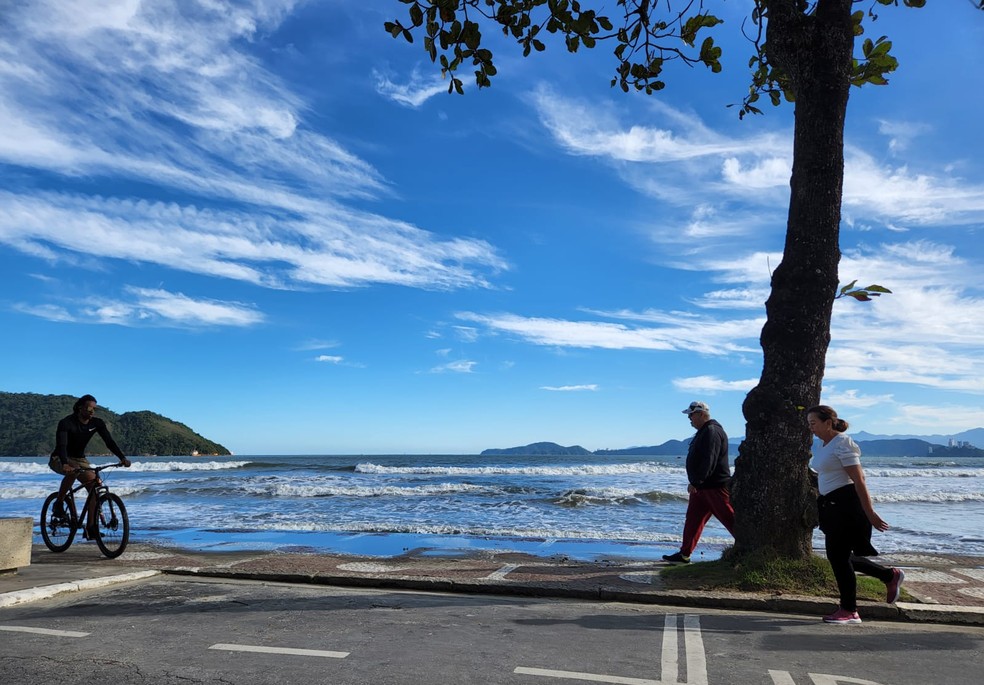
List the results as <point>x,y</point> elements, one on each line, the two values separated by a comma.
<point>57,531</point>
<point>113,524</point>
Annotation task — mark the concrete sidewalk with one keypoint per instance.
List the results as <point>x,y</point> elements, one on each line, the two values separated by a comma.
<point>948,589</point>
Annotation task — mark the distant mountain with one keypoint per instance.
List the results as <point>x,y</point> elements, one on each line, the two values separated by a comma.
<point>28,422</point>
<point>538,449</point>
<point>974,436</point>
<point>879,447</point>
<point>670,447</point>
<point>910,447</point>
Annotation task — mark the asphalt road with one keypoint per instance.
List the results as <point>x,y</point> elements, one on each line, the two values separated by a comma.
<point>171,630</point>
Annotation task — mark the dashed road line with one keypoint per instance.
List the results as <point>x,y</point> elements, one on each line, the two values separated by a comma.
<point>574,675</point>
<point>280,650</point>
<point>43,631</point>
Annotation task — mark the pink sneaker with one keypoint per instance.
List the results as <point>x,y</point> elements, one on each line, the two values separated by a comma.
<point>841,616</point>
<point>894,587</point>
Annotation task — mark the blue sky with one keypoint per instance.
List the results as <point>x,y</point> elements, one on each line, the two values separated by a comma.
<point>267,219</point>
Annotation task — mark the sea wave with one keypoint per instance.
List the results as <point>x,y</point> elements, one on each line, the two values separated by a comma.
<point>930,497</point>
<point>326,490</point>
<point>545,534</point>
<point>579,470</point>
<point>40,492</point>
<point>617,496</point>
<point>146,466</point>
<point>924,473</point>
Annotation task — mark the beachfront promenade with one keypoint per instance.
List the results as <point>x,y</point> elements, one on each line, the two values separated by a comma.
<point>166,617</point>
<point>946,588</point>
<point>428,616</point>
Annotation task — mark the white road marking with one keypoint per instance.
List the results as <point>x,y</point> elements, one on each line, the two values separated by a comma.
<point>784,678</point>
<point>669,666</point>
<point>502,572</point>
<point>669,660</point>
<point>43,631</point>
<point>694,646</point>
<point>573,675</point>
<point>280,650</point>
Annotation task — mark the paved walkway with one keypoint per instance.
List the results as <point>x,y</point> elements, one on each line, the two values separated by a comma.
<point>946,589</point>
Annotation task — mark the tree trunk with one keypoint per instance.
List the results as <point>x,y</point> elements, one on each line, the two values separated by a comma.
<point>773,498</point>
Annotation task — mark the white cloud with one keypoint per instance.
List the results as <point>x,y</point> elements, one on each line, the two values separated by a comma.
<point>460,366</point>
<point>331,247</point>
<point>311,345</point>
<point>683,162</point>
<point>466,333</point>
<point>150,307</point>
<point>939,418</point>
<point>214,124</point>
<point>901,133</point>
<point>897,195</point>
<point>329,359</point>
<point>834,397</point>
<point>712,384</point>
<point>684,332</point>
<point>418,90</point>
<point>590,387</point>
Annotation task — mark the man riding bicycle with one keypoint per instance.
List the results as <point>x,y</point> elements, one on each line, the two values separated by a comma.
<point>68,459</point>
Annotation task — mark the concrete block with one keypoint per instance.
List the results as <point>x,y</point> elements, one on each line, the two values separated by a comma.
<point>15,543</point>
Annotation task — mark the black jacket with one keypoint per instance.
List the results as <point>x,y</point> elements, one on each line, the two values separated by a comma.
<point>707,458</point>
<point>72,436</point>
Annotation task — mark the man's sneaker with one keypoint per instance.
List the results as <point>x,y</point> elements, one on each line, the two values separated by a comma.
<point>842,616</point>
<point>58,510</point>
<point>676,558</point>
<point>894,587</point>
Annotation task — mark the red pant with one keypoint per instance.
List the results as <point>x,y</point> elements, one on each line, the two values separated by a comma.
<point>702,504</point>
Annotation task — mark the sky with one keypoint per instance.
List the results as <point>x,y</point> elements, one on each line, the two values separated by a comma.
<point>268,220</point>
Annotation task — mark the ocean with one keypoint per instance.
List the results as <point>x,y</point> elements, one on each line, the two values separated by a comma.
<point>583,507</point>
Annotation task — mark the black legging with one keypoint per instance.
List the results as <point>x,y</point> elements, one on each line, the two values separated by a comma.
<point>844,563</point>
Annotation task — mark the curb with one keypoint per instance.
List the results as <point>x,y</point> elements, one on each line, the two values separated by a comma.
<point>808,606</point>
<point>9,599</point>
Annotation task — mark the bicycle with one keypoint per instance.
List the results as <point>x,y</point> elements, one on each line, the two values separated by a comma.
<point>58,529</point>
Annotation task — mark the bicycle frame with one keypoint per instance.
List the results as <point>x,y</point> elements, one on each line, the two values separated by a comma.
<point>103,517</point>
<point>91,497</point>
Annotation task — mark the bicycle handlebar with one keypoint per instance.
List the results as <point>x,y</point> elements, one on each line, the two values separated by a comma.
<point>100,468</point>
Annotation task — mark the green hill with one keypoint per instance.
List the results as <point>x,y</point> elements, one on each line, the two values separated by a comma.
<point>28,422</point>
<point>538,449</point>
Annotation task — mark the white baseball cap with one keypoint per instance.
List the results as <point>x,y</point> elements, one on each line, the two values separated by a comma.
<point>696,407</point>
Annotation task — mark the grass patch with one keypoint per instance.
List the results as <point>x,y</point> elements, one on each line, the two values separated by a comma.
<point>764,572</point>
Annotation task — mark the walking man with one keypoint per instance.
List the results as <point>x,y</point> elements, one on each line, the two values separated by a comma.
<point>709,480</point>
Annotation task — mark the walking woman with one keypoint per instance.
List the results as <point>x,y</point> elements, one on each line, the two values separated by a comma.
<point>846,514</point>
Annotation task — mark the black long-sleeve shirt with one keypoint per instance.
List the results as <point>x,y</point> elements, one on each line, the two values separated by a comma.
<point>707,457</point>
<point>72,436</point>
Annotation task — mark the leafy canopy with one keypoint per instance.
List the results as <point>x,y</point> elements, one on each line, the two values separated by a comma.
<point>646,34</point>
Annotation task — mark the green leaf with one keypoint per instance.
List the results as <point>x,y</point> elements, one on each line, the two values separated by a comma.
<point>848,286</point>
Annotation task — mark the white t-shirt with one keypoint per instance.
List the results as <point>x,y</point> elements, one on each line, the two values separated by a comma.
<point>829,461</point>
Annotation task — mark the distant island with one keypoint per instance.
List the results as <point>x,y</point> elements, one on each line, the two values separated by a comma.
<point>888,447</point>
<point>28,422</point>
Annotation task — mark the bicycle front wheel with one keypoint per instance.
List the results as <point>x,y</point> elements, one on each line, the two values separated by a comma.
<point>113,525</point>
<point>57,528</point>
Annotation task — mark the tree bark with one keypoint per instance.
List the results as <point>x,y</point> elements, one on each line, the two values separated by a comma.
<point>773,497</point>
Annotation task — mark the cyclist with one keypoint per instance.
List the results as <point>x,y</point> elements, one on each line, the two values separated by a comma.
<point>68,459</point>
